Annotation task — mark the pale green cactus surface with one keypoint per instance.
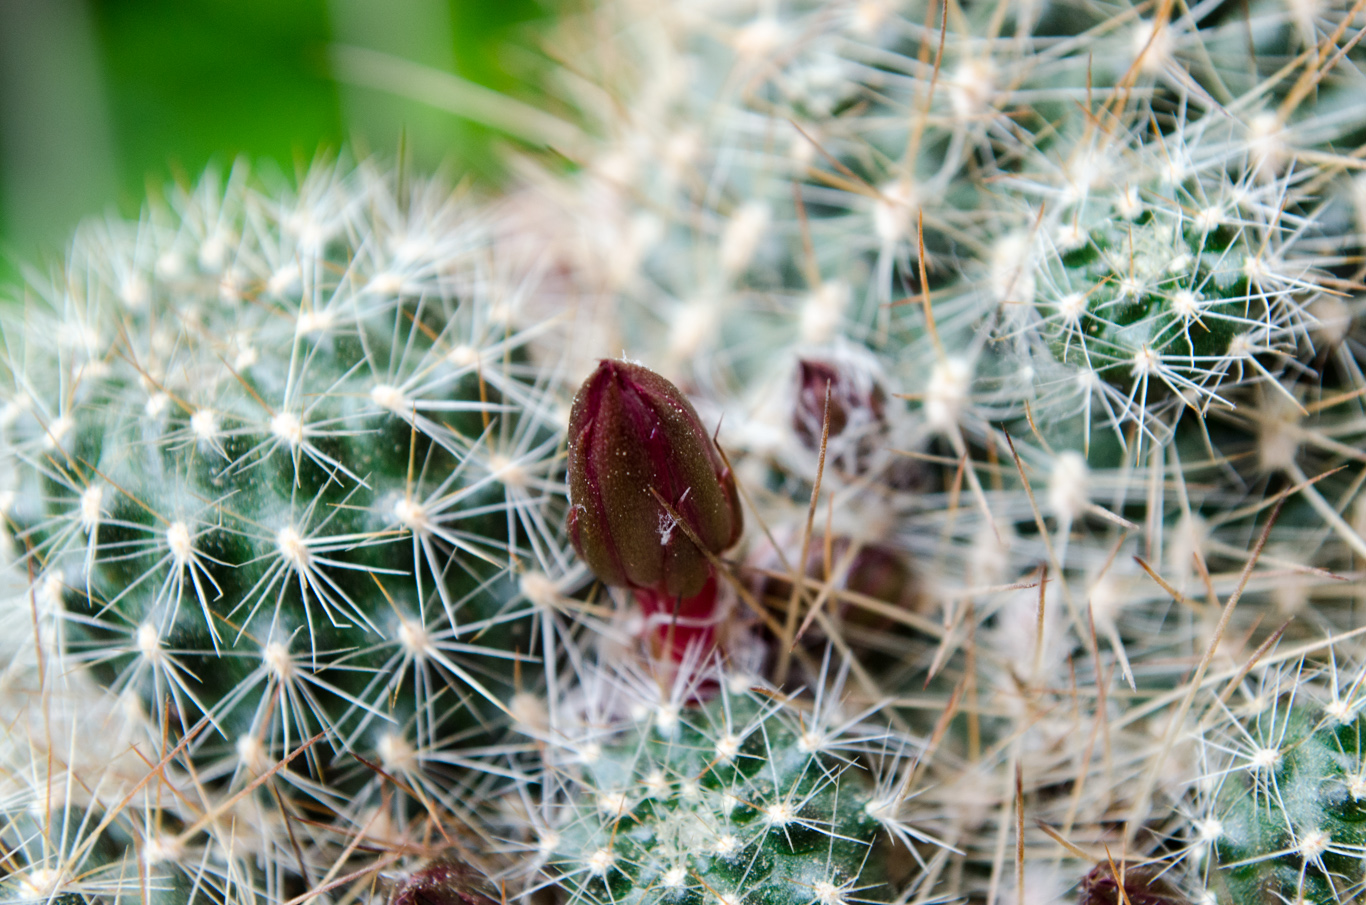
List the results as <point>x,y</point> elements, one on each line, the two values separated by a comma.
<point>1029,333</point>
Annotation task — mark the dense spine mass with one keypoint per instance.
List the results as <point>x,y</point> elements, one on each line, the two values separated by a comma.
<point>275,468</point>
<point>968,453</point>
<point>229,478</point>
<point>729,801</point>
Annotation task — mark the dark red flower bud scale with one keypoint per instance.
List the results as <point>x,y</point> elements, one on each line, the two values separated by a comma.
<point>632,435</point>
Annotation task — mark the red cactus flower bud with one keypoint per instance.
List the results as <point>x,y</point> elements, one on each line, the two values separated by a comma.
<point>1143,884</point>
<point>678,624</point>
<point>857,411</point>
<point>633,434</point>
<point>445,882</point>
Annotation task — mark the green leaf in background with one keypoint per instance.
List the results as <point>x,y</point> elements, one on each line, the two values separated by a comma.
<point>101,98</point>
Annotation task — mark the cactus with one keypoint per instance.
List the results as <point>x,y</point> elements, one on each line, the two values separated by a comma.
<point>729,800</point>
<point>1014,348</point>
<point>275,467</point>
<point>1286,818</point>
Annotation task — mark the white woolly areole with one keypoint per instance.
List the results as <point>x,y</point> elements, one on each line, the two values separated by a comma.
<point>989,557</point>
<point>1071,306</point>
<point>1069,485</point>
<point>276,658</point>
<point>1188,536</point>
<point>1266,139</point>
<point>252,753</point>
<point>529,711</point>
<point>462,355</point>
<point>180,543</point>
<point>415,639</point>
<point>600,861</point>
<point>170,265</point>
<point>666,719</point>
<point>759,39</point>
<point>1012,268</point>
<point>213,251</point>
<point>742,236</point>
<point>204,425</point>
<point>1356,786</point>
<point>538,589</point>
<point>656,784</point>
<point>284,281</point>
<point>230,287</point>
<point>148,642</point>
<point>1107,597</point>
<point>1144,363</point>
<point>390,398</point>
<point>869,16</point>
<point>314,321</point>
<point>1129,205</point>
<point>613,804</point>
<point>396,753</point>
<point>156,405</point>
<point>1332,320</point>
<point>823,311</point>
<point>1264,759</point>
<point>693,326</point>
<point>779,814</point>
<point>1241,346</point>
<point>1155,49</point>
<point>288,427</point>
<point>1278,434</point>
<point>57,431</point>
<point>894,211</point>
<point>247,357</point>
<point>1209,218</point>
<point>1092,168</point>
<point>293,548</point>
<point>52,590</point>
<point>828,893</point>
<point>947,393</point>
<point>973,86</point>
<point>412,515</point>
<point>508,472</point>
<point>1186,304</point>
<point>812,740</point>
<point>1314,843</point>
<point>386,283</point>
<point>162,849</point>
<point>134,291</point>
<point>18,404</point>
<point>41,884</point>
<point>92,507</point>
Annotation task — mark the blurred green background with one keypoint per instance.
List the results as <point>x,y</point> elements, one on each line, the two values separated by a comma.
<point>101,100</point>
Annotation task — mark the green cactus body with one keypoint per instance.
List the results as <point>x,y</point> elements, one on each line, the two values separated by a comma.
<point>1292,822</point>
<point>261,477</point>
<point>1147,286</point>
<point>1159,289</point>
<point>729,803</point>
